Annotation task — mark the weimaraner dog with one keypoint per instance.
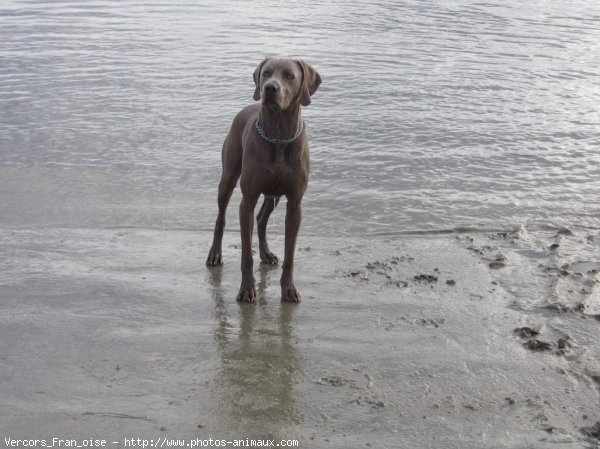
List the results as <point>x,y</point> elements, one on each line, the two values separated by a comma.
<point>267,146</point>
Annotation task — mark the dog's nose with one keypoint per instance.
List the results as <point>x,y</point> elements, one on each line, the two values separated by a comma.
<point>271,88</point>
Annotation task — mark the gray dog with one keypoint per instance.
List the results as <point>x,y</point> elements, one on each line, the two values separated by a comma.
<point>267,146</point>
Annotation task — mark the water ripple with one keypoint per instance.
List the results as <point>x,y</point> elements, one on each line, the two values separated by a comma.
<point>432,114</point>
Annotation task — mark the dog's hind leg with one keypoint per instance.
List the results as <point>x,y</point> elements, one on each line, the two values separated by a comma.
<point>262,218</point>
<point>229,179</point>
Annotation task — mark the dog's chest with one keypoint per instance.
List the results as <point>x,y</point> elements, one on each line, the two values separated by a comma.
<point>279,162</point>
<point>280,172</point>
<point>275,171</point>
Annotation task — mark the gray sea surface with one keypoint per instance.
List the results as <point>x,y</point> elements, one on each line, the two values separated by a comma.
<point>433,115</point>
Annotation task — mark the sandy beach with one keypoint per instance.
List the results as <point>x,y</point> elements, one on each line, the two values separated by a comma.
<point>399,342</point>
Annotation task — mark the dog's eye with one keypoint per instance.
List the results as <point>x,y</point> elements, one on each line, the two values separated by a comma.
<point>290,76</point>
<point>266,74</point>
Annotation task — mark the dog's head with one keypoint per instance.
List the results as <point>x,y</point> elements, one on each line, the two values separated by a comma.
<point>282,82</point>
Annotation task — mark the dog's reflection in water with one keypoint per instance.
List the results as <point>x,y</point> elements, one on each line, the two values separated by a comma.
<point>254,385</point>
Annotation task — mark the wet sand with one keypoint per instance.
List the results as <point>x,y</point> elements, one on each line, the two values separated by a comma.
<point>404,342</point>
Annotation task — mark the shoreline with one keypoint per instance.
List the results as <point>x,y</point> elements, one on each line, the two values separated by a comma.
<point>100,325</point>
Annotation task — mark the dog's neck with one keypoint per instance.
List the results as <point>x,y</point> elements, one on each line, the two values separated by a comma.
<point>281,124</point>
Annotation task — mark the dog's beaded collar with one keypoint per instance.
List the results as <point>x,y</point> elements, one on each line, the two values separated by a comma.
<point>269,139</point>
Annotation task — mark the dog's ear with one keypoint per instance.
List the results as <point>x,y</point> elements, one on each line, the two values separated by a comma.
<point>311,80</point>
<point>256,77</point>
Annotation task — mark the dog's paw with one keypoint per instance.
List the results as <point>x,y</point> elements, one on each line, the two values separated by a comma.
<point>214,257</point>
<point>247,293</point>
<point>269,258</point>
<point>289,293</point>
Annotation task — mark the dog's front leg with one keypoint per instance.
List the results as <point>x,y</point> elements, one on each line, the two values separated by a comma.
<point>247,288</point>
<point>292,225</point>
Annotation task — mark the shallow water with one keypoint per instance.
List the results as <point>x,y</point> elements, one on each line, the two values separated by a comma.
<point>432,115</point>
